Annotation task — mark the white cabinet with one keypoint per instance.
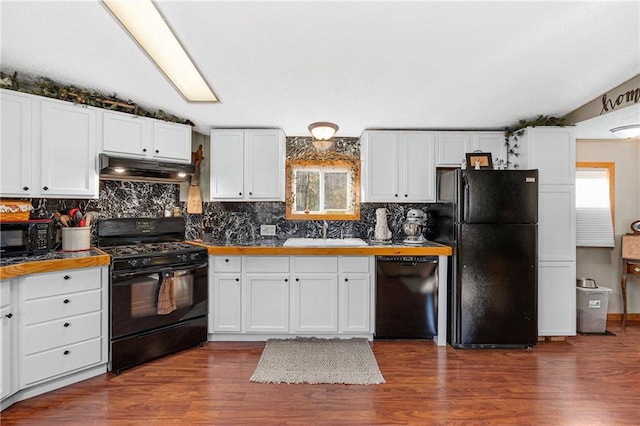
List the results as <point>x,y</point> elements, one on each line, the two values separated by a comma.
<point>315,294</point>
<point>134,136</point>
<point>16,144</point>
<point>556,299</point>
<point>551,150</point>
<point>398,166</point>
<point>225,302</point>
<point>247,165</point>
<point>68,150</point>
<point>267,303</point>
<point>284,295</point>
<point>7,340</point>
<point>62,324</point>
<point>48,148</point>
<point>267,294</point>
<point>452,146</point>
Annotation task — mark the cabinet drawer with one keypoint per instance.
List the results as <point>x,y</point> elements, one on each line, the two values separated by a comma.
<point>59,361</point>
<point>355,264</point>
<point>62,282</point>
<point>66,305</point>
<point>633,268</point>
<point>61,332</point>
<point>315,264</point>
<point>227,264</point>
<point>260,264</point>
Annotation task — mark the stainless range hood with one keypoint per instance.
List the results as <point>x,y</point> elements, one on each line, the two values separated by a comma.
<point>121,168</point>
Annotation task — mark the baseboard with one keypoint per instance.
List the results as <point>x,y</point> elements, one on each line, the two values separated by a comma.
<point>618,317</point>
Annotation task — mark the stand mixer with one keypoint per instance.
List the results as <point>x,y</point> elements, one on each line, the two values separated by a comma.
<point>413,227</point>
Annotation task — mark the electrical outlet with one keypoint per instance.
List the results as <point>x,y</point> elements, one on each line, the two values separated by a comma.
<point>268,230</point>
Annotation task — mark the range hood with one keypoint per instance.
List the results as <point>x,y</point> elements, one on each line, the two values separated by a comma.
<point>121,168</point>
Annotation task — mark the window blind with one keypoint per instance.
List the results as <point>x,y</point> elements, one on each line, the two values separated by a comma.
<point>594,227</point>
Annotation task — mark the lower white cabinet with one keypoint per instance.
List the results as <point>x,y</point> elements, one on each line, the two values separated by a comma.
<point>556,299</point>
<point>7,339</point>
<point>55,332</point>
<point>285,295</point>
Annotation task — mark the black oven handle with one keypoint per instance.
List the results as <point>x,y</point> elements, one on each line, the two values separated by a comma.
<point>161,269</point>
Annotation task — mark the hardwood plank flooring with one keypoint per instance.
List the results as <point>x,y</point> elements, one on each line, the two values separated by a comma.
<point>584,380</point>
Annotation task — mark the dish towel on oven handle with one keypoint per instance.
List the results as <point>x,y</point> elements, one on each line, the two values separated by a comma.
<point>167,297</point>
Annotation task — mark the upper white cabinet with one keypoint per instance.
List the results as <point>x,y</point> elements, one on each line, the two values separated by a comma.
<point>48,148</point>
<point>68,150</point>
<point>551,150</point>
<point>16,144</point>
<point>398,166</point>
<point>135,136</point>
<point>452,146</point>
<point>247,165</point>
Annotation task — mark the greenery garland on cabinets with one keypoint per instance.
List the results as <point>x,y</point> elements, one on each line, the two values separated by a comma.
<point>45,87</point>
<point>512,133</point>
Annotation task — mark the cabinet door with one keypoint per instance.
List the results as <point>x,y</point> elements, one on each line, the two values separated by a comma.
<point>267,303</point>
<point>125,134</point>
<point>227,164</point>
<point>552,150</point>
<point>380,166</point>
<point>15,145</point>
<point>7,340</point>
<point>227,303</point>
<point>315,303</point>
<point>171,141</point>
<point>355,303</point>
<point>418,169</point>
<point>68,150</point>
<point>556,223</point>
<point>264,160</point>
<point>452,147</point>
<point>556,299</point>
<point>492,142</point>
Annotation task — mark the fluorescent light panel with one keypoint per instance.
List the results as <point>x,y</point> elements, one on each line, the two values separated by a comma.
<point>146,25</point>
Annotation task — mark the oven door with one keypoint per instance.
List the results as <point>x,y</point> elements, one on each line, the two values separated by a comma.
<point>151,298</point>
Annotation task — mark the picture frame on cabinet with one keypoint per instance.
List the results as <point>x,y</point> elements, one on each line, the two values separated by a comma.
<point>479,160</point>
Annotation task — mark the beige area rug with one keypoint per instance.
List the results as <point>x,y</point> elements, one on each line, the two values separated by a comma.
<point>313,360</point>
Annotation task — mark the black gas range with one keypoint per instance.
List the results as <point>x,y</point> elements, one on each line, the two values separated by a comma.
<point>158,289</point>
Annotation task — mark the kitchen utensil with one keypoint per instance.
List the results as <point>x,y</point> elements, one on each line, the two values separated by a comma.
<point>586,283</point>
<point>413,227</point>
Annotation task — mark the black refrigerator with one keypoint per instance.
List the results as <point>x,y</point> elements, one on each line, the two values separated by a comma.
<point>490,218</point>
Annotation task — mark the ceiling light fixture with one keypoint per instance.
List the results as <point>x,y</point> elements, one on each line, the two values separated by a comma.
<point>323,130</point>
<point>149,29</point>
<point>625,132</point>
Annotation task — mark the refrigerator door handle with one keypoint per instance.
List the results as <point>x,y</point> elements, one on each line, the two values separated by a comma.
<point>465,199</point>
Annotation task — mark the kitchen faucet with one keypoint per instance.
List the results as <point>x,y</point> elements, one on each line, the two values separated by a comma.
<point>325,226</point>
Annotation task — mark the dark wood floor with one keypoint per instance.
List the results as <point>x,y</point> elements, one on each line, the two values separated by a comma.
<point>584,381</point>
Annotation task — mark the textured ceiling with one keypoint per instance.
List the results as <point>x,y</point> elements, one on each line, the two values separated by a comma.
<point>430,65</point>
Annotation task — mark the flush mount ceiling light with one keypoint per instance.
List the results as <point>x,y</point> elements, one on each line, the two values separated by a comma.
<point>625,132</point>
<point>323,130</point>
<point>150,30</point>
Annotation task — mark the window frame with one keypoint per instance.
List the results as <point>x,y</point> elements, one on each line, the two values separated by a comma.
<point>611,176</point>
<point>353,169</point>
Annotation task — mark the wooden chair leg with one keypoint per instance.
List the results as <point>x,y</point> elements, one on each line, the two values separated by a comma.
<point>623,287</point>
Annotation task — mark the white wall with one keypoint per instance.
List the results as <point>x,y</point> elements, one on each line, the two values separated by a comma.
<point>603,264</point>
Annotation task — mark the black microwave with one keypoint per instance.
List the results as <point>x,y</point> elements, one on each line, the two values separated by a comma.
<point>27,237</point>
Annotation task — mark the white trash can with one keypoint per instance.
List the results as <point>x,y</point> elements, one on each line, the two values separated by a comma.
<point>592,304</point>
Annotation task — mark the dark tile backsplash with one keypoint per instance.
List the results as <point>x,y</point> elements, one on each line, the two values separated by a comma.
<point>238,221</point>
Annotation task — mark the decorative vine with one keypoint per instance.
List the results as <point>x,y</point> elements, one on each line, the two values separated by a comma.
<point>43,86</point>
<point>514,132</point>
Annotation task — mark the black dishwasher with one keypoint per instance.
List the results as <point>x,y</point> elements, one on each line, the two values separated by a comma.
<point>406,297</point>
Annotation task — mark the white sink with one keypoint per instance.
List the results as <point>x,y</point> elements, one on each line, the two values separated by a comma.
<point>324,242</point>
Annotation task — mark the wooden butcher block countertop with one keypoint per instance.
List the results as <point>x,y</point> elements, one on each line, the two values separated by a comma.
<point>275,247</point>
<point>12,267</point>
